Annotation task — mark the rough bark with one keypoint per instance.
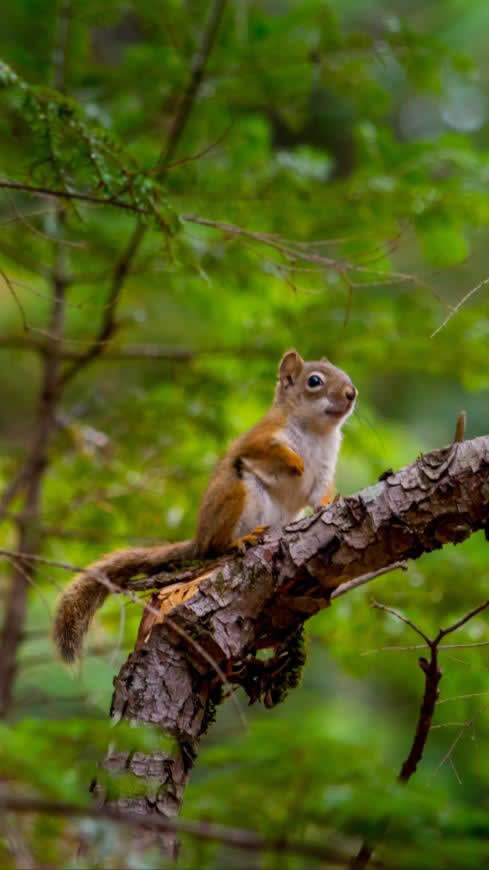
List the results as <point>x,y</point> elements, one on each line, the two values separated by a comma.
<point>239,605</point>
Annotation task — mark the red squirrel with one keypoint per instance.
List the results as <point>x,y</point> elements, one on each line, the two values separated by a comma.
<point>284,463</point>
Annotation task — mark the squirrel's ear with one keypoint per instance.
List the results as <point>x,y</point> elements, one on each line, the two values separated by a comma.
<point>290,367</point>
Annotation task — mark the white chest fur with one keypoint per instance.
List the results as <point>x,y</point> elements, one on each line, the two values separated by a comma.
<point>276,499</point>
<point>320,454</point>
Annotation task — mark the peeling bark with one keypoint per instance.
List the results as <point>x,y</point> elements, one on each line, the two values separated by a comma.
<point>242,604</point>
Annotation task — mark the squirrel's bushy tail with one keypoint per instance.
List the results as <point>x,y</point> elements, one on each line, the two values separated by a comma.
<point>85,594</point>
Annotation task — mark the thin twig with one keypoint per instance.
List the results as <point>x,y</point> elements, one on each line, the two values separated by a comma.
<point>239,838</point>
<point>343,588</point>
<point>17,301</point>
<point>20,258</point>
<point>14,487</point>
<point>462,697</point>
<point>202,153</point>
<point>44,236</point>
<point>459,305</point>
<point>402,618</point>
<point>295,252</point>
<point>370,652</point>
<point>30,580</point>
<point>459,736</point>
<point>70,194</point>
<point>458,624</point>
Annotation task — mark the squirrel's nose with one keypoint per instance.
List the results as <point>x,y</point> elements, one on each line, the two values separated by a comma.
<point>349,392</point>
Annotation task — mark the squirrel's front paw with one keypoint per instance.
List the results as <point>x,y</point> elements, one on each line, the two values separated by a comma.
<point>240,545</point>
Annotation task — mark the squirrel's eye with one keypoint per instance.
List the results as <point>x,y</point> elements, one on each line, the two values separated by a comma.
<point>315,381</point>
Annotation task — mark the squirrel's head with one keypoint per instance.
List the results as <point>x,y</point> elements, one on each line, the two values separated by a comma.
<point>319,395</point>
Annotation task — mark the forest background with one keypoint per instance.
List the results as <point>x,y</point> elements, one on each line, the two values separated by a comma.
<point>228,180</point>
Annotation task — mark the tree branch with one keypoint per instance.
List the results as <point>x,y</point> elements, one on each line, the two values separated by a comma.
<point>30,477</point>
<point>432,676</point>
<point>239,605</point>
<point>51,192</point>
<point>40,344</point>
<point>197,69</point>
<point>108,324</point>
<point>239,838</point>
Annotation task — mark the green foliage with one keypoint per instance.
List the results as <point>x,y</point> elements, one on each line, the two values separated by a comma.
<point>74,153</point>
<point>357,142</point>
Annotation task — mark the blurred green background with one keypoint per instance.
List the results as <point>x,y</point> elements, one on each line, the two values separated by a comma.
<point>359,133</point>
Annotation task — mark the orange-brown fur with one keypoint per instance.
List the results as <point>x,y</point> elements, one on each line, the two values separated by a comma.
<point>285,462</point>
<point>260,444</point>
<point>85,594</point>
<point>219,511</point>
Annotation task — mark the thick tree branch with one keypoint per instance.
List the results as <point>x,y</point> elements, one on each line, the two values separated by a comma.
<point>239,605</point>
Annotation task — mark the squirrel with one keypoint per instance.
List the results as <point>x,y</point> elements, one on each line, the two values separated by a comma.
<point>285,463</point>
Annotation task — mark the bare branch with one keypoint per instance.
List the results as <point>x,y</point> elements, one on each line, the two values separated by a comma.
<point>16,300</point>
<point>239,838</point>
<point>464,728</point>
<point>197,69</point>
<point>20,258</point>
<point>402,618</point>
<point>108,324</point>
<point>458,624</point>
<point>432,675</point>
<point>461,698</point>
<point>459,305</point>
<point>417,646</point>
<point>69,194</point>
<point>35,231</point>
<point>14,487</point>
<point>30,479</point>
<point>39,344</point>
<point>202,153</point>
<point>295,251</point>
<point>343,588</point>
